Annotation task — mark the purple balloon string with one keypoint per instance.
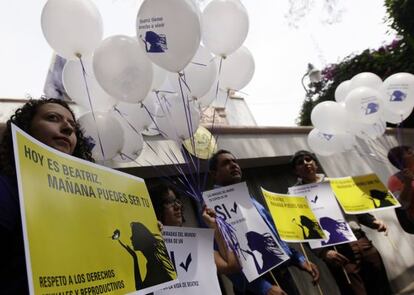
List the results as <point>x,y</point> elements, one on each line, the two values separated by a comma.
<point>187,109</point>
<point>90,104</point>
<point>196,185</point>
<point>190,181</point>
<point>135,130</point>
<point>187,115</point>
<point>186,105</point>
<point>182,177</point>
<point>214,119</point>
<point>153,121</point>
<point>126,120</point>
<point>199,64</point>
<point>229,235</point>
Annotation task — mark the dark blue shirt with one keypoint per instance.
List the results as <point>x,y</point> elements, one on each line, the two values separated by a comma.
<point>13,277</point>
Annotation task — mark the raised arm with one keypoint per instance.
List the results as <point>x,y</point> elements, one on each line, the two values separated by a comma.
<point>225,259</point>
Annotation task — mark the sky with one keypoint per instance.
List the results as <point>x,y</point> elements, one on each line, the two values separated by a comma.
<point>282,46</point>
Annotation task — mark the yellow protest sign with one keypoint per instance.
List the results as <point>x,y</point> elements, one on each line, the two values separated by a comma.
<point>88,229</point>
<point>294,220</point>
<point>360,194</point>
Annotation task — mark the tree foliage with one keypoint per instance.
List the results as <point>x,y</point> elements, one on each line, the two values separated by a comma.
<point>398,56</point>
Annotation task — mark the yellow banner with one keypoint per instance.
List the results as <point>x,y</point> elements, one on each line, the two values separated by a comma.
<point>88,229</point>
<point>294,220</point>
<point>360,194</point>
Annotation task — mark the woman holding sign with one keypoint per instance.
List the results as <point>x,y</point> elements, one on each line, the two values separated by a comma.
<point>167,205</point>
<point>170,211</point>
<point>52,122</point>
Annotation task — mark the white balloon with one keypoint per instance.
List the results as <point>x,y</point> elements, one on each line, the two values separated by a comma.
<point>199,74</point>
<point>149,109</point>
<point>208,98</point>
<point>342,90</point>
<point>348,141</point>
<point>158,77</point>
<point>324,144</point>
<point>150,112</point>
<point>399,93</point>
<point>75,86</point>
<point>177,120</point>
<point>152,130</point>
<point>364,104</point>
<point>329,117</point>
<point>72,27</point>
<point>394,118</point>
<point>122,69</point>
<point>237,70</point>
<point>367,130</point>
<point>130,114</point>
<point>138,116</point>
<point>110,132</point>
<point>366,79</point>
<point>133,145</point>
<point>169,31</point>
<point>225,26</point>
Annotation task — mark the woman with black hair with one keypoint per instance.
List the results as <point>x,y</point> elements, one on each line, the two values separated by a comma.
<point>170,211</point>
<point>52,122</point>
<point>167,205</point>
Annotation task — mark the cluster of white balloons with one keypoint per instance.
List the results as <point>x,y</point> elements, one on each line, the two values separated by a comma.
<point>363,106</point>
<point>119,79</point>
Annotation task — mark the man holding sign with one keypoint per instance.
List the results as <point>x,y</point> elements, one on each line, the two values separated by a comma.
<point>360,259</point>
<point>225,171</point>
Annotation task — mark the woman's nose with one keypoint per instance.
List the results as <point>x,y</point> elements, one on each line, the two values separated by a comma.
<point>177,205</point>
<point>67,128</point>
